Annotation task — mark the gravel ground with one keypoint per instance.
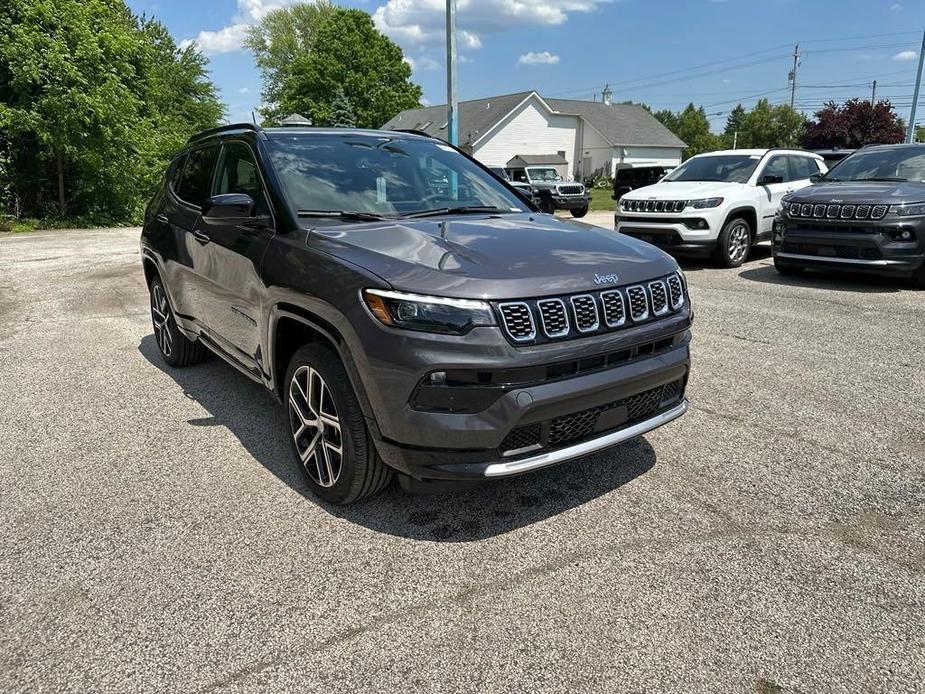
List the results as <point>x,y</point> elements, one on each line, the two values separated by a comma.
<point>155,535</point>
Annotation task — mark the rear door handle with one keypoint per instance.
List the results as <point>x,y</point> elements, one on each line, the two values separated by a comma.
<point>201,237</point>
<point>162,218</point>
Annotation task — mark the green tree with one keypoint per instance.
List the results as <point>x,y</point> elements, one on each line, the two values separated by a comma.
<point>920,133</point>
<point>694,128</point>
<point>350,54</point>
<point>342,115</point>
<point>93,101</point>
<point>734,122</point>
<point>282,36</point>
<point>771,126</point>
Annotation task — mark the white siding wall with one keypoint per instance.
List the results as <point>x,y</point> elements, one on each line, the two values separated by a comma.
<point>529,129</point>
<point>597,153</point>
<point>647,156</point>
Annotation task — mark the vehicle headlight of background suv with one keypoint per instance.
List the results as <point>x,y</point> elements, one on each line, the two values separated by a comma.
<point>916,209</point>
<point>705,203</point>
<point>432,314</point>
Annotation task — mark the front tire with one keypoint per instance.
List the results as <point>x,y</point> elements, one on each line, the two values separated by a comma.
<point>734,243</point>
<point>175,348</point>
<point>580,212</point>
<point>327,430</point>
<point>547,205</point>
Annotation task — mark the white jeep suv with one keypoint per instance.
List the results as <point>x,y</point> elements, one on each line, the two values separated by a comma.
<point>719,203</point>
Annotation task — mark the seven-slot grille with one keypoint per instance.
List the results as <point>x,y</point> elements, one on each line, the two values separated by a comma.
<point>518,321</point>
<point>585,308</point>
<point>833,211</point>
<point>590,312</point>
<point>653,205</point>
<point>554,317</point>
<point>571,190</point>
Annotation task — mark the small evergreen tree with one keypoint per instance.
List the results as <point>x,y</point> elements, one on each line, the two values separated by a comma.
<point>342,115</point>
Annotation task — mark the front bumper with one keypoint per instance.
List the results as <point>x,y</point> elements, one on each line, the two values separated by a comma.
<point>682,235</point>
<point>570,202</point>
<point>854,247</point>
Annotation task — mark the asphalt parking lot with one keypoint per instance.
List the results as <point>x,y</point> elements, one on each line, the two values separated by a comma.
<point>156,536</point>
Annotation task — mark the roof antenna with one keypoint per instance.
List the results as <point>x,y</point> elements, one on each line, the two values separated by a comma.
<point>254,116</point>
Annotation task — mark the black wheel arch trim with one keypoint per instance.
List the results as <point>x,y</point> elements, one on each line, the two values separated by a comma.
<point>737,212</point>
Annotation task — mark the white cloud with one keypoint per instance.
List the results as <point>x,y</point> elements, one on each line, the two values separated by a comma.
<point>896,7</point>
<point>544,58</point>
<point>423,63</point>
<point>231,38</point>
<point>413,23</point>
<point>906,55</point>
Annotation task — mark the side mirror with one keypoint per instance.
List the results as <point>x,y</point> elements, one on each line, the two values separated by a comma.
<point>770,179</point>
<point>815,178</point>
<point>229,207</point>
<point>525,194</point>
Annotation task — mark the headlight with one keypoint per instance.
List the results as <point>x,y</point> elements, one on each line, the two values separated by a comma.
<point>705,203</point>
<point>432,314</point>
<point>916,209</point>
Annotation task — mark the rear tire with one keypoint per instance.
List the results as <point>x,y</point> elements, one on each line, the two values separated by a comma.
<point>580,212</point>
<point>175,348</point>
<point>546,205</point>
<point>734,243</point>
<point>789,270</point>
<point>328,431</point>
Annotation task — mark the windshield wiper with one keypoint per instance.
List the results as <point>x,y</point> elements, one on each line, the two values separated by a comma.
<point>885,179</point>
<point>468,209</point>
<point>342,214</point>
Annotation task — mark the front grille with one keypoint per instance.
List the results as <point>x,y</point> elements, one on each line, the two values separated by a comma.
<point>614,308</point>
<point>675,292</point>
<point>859,252</point>
<point>834,211</point>
<point>571,190</point>
<point>585,308</point>
<point>653,206</point>
<point>518,321</point>
<point>554,317</point>
<point>659,298</point>
<point>639,305</point>
<point>522,437</point>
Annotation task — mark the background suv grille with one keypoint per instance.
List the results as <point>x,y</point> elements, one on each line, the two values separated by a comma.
<point>518,321</point>
<point>833,211</point>
<point>576,315</point>
<point>571,190</point>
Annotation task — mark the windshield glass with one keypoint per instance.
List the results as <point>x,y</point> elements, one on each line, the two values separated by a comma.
<point>543,174</point>
<point>381,175</point>
<point>727,168</point>
<point>894,164</point>
<point>499,172</point>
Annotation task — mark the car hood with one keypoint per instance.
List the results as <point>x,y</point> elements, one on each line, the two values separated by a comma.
<point>493,257</point>
<point>685,190</point>
<point>869,192</point>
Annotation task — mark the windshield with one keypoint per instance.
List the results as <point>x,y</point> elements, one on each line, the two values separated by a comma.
<point>726,168</point>
<point>499,172</point>
<point>544,174</point>
<point>382,176</point>
<point>894,164</point>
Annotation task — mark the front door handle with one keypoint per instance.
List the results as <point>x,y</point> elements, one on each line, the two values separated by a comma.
<point>201,237</point>
<point>162,218</point>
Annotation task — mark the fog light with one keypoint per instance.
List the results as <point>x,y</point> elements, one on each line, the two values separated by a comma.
<point>438,378</point>
<point>906,235</point>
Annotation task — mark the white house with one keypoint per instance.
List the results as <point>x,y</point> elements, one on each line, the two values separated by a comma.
<point>591,136</point>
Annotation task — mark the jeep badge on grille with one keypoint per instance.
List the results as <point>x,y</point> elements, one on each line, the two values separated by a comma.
<point>606,279</point>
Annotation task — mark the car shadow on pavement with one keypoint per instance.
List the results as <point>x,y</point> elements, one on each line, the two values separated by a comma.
<point>840,282</point>
<point>694,263</point>
<point>256,419</point>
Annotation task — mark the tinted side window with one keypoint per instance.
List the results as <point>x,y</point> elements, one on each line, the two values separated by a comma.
<point>777,166</point>
<point>196,181</point>
<point>520,175</point>
<point>802,167</point>
<point>173,173</point>
<point>238,174</point>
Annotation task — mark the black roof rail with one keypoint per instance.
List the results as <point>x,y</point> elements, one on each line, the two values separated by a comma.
<point>234,127</point>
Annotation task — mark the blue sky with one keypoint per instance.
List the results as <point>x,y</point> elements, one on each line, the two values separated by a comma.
<point>666,53</point>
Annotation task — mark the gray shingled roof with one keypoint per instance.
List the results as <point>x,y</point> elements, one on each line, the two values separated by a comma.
<point>621,124</point>
<point>537,160</point>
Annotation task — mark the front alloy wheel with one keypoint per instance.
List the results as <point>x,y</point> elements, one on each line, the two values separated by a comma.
<point>735,242</point>
<point>315,426</point>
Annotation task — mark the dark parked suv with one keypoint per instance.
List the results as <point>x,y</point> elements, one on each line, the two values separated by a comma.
<point>410,311</point>
<point>867,214</point>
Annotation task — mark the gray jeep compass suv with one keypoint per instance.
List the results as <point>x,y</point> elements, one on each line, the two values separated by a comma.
<point>411,312</point>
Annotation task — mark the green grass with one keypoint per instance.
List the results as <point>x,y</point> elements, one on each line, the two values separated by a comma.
<point>601,200</point>
<point>17,226</point>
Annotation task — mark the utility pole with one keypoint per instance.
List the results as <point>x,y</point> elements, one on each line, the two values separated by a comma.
<point>452,105</point>
<point>910,133</point>
<point>735,140</point>
<point>873,93</point>
<point>793,75</point>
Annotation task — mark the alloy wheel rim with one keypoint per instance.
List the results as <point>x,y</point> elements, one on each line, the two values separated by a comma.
<point>738,243</point>
<point>160,316</point>
<point>315,426</point>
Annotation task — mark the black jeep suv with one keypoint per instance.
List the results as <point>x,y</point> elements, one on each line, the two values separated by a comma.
<point>410,310</point>
<point>867,214</point>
